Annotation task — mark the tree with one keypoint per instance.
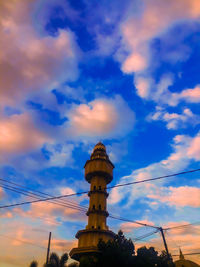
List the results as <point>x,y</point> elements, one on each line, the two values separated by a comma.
<point>148,257</point>
<point>121,252</point>
<point>117,252</point>
<point>55,261</point>
<point>33,264</point>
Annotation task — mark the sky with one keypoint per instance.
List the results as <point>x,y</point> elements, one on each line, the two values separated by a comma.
<point>73,73</point>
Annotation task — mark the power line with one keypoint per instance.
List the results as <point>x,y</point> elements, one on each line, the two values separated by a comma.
<point>144,236</point>
<point>30,190</point>
<point>136,222</point>
<point>38,195</point>
<point>195,253</point>
<point>180,226</point>
<point>86,192</point>
<point>153,179</point>
<point>70,206</point>
<point>80,209</point>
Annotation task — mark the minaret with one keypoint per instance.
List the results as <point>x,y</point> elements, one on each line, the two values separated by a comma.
<point>98,172</point>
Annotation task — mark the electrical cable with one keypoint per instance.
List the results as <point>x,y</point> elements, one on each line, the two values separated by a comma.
<point>136,222</point>
<point>153,179</point>
<point>86,192</point>
<point>195,253</point>
<point>144,236</point>
<point>35,197</point>
<point>180,226</point>
<point>27,189</point>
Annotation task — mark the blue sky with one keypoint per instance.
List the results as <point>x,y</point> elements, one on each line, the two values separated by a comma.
<point>77,72</point>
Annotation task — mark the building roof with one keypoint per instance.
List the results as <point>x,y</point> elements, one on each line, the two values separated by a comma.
<point>182,262</point>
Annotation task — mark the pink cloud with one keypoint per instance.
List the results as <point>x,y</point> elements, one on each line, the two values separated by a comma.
<point>29,61</point>
<point>155,18</point>
<point>63,245</point>
<point>101,118</point>
<point>129,226</point>
<point>19,134</point>
<point>194,149</point>
<point>179,196</point>
<point>133,63</point>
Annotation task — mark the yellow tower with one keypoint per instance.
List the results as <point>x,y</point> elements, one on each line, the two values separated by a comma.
<point>98,172</point>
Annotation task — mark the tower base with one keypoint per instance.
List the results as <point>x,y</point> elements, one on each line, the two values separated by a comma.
<point>88,242</point>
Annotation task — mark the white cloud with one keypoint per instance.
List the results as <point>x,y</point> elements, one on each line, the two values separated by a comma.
<point>174,120</point>
<point>60,155</point>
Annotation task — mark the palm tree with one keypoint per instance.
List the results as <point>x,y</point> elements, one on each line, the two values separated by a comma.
<point>55,261</point>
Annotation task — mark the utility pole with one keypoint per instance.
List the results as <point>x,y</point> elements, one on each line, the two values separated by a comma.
<point>165,244</point>
<point>48,248</point>
<point>164,241</point>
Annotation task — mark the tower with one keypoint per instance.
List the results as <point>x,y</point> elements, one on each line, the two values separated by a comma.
<point>98,172</point>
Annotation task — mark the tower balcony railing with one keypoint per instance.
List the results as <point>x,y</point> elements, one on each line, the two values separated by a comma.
<point>97,211</point>
<point>98,191</point>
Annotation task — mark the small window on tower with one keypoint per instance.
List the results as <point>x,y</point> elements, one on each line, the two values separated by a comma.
<point>99,187</point>
<point>99,227</point>
<point>94,187</point>
<point>92,226</point>
<point>99,206</point>
<point>93,207</point>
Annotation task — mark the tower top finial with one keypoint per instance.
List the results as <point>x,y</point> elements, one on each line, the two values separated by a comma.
<point>100,146</point>
<point>181,256</point>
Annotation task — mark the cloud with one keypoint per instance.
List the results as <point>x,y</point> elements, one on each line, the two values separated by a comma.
<point>137,53</point>
<point>31,61</point>
<point>174,120</point>
<point>101,118</point>
<point>188,95</point>
<point>18,134</point>
<point>27,241</point>
<point>51,213</point>
<point>129,226</point>
<point>194,149</point>
<point>185,151</point>
<point>59,155</point>
<point>117,151</point>
<point>63,245</point>
<point>154,19</point>
<point>179,196</point>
